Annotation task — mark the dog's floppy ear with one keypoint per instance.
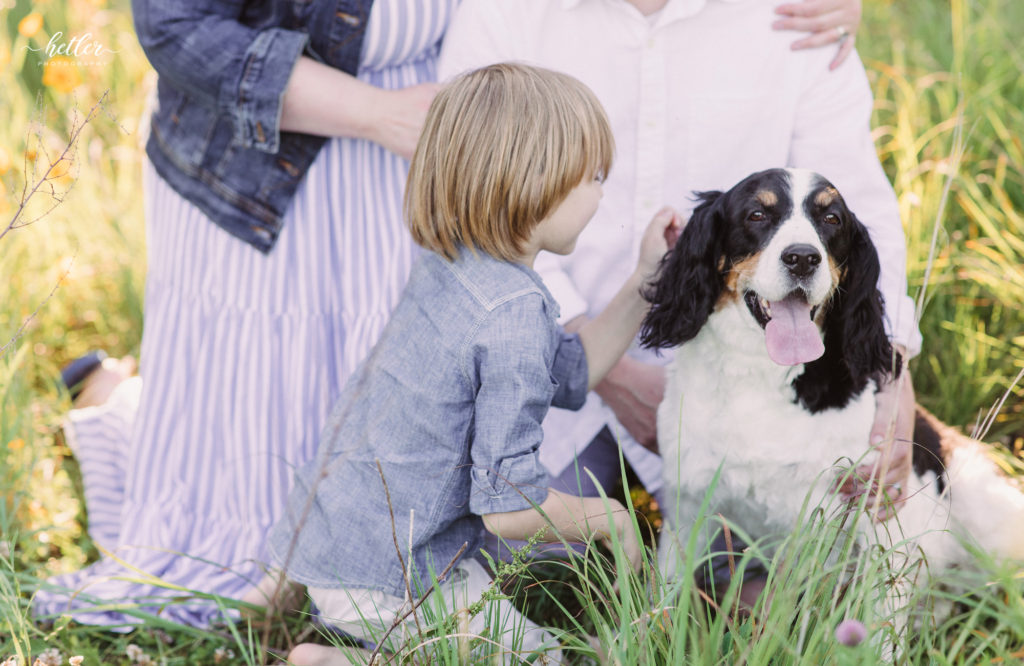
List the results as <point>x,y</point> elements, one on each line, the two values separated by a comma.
<point>689,279</point>
<point>856,345</point>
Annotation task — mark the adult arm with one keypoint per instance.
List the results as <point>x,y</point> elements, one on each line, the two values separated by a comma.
<point>261,81</point>
<point>832,135</point>
<point>325,101</point>
<point>202,49</point>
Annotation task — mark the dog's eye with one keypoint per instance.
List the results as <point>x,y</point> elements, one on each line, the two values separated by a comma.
<point>831,218</point>
<point>757,216</point>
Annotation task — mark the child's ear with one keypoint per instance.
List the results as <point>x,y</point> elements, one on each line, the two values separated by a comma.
<point>689,280</point>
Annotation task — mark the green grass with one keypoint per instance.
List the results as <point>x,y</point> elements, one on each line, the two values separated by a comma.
<point>940,70</point>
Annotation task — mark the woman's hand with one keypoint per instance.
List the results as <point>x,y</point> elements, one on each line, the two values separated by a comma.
<point>399,116</point>
<point>324,101</point>
<point>828,21</point>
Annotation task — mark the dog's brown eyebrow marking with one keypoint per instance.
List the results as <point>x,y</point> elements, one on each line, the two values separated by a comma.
<point>826,196</point>
<point>767,198</point>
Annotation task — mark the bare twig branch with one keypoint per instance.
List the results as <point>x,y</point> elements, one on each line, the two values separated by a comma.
<point>398,550</point>
<point>401,618</point>
<point>66,157</point>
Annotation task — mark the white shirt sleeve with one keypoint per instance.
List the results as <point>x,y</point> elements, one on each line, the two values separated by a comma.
<point>832,135</point>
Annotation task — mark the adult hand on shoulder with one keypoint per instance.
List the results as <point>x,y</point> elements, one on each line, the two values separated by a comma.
<point>827,21</point>
<point>633,390</point>
<point>892,438</point>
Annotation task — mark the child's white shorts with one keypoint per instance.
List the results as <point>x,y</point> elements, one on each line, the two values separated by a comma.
<point>367,614</point>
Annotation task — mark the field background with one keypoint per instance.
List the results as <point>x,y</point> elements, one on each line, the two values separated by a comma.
<point>949,83</point>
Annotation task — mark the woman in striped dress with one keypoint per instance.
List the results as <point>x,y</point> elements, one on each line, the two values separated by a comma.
<point>251,329</point>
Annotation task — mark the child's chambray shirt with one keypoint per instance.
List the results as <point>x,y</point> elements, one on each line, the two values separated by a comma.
<point>450,403</point>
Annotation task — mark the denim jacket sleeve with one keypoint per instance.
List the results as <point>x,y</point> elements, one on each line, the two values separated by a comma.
<point>512,355</point>
<point>203,49</point>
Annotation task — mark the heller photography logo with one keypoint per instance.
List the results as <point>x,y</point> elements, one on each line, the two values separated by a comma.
<point>82,49</point>
<point>63,54</point>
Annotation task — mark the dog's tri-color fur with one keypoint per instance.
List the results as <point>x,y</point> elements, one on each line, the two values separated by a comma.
<point>770,296</point>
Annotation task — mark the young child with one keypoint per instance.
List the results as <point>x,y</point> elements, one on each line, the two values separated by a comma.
<point>435,437</point>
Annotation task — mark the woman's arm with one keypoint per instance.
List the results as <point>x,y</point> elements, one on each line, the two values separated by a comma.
<point>260,79</point>
<point>326,101</point>
<point>202,49</point>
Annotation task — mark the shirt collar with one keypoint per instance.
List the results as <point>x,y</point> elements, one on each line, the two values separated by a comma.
<point>495,279</point>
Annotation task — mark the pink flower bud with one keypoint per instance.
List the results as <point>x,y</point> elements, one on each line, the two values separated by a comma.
<point>851,632</point>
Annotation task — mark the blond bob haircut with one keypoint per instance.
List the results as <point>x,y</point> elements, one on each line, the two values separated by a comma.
<point>501,148</point>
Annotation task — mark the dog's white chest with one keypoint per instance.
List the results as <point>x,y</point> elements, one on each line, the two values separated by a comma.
<point>728,409</point>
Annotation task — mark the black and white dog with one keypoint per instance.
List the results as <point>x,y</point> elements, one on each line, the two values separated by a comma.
<point>770,296</point>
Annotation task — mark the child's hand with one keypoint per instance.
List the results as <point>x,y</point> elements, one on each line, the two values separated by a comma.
<point>660,237</point>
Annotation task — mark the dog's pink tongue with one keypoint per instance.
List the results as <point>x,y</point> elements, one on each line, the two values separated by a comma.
<point>791,336</point>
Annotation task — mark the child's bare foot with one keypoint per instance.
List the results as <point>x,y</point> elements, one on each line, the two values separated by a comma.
<point>311,654</point>
<point>274,594</point>
<point>97,386</point>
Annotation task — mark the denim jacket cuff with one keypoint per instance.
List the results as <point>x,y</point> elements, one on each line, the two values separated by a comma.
<point>261,91</point>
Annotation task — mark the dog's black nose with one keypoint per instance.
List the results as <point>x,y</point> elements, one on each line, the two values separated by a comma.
<point>801,260</point>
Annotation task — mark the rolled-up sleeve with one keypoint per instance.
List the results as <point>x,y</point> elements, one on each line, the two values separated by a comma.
<point>511,357</point>
<point>202,49</point>
<point>571,372</point>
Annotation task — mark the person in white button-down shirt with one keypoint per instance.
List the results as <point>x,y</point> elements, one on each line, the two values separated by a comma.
<point>700,94</point>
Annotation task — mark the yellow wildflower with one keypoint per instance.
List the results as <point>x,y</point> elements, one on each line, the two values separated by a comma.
<point>5,161</point>
<point>31,24</point>
<point>61,73</point>
<point>16,444</point>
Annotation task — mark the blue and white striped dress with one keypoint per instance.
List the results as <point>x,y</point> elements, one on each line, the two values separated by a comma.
<point>242,356</point>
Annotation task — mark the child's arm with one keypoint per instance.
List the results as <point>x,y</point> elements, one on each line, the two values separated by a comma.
<point>606,337</point>
<point>570,518</point>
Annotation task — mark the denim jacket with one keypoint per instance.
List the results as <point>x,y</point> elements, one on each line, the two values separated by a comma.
<point>449,403</point>
<point>223,66</point>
